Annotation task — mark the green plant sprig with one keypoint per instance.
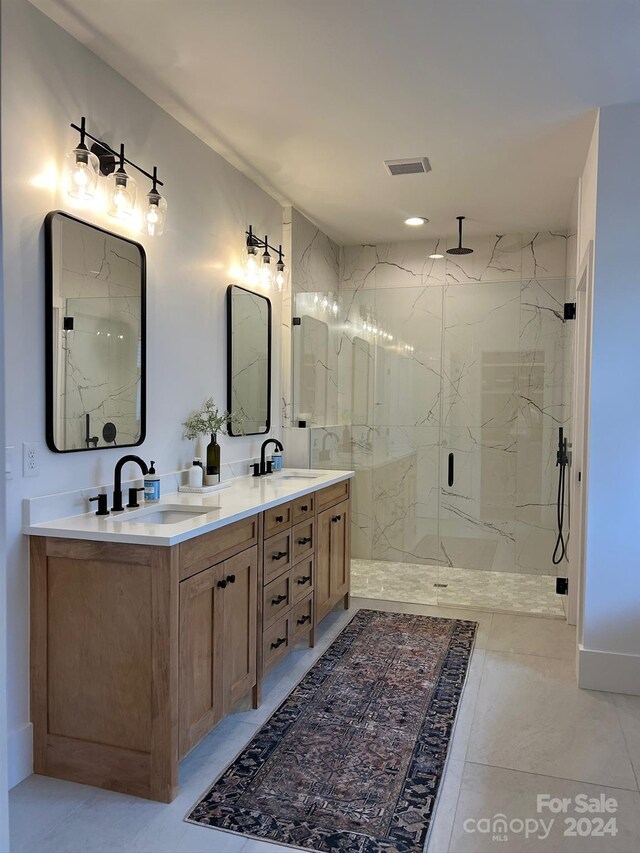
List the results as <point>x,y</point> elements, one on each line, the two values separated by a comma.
<point>209,420</point>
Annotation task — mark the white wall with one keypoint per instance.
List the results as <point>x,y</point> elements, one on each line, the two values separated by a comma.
<point>4,777</point>
<point>610,654</point>
<point>588,194</point>
<point>50,80</point>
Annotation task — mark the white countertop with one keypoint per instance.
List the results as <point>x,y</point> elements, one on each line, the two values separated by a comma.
<point>245,496</point>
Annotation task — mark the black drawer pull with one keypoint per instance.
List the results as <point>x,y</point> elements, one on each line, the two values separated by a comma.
<point>279,599</point>
<point>222,584</point>
<point>279,519</point>
<point>304,540</point>
<point>278,642</point>
<point>279,555</point>
<point>303,580</point>
<point>231,578</point>
<point>304,508</point>
<point>304,619</point>
<point>336,518</point>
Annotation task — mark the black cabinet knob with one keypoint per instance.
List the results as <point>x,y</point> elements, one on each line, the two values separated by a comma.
<point>336,518</point>
<point>304,619</point>
<point>303,580</point>
<point>231,578</point>
<point>279,599</point>
<point>304,508</point>
<point>304,540</point>
<point>278,642</point>
<point>222,584</point>
<point>279,555</point>
<point>279,519</point>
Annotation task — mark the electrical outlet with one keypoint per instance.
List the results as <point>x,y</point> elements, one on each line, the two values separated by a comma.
<point>30,459</point>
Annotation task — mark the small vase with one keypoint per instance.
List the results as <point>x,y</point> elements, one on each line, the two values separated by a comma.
<point>212,469</point>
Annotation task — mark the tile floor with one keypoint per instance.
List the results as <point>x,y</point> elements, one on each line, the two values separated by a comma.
<point>523,729</point>
<point>510,592</point>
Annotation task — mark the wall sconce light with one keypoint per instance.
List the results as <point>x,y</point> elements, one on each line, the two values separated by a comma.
<point>84,167</point>
<point>262,271</point>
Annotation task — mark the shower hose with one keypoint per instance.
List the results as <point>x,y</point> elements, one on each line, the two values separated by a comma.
<point>560,551</point>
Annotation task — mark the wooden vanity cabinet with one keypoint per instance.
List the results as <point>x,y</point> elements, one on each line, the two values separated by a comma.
<point>332,566</point>
<point>138,651</point>
<point>218,635</point>
<point>306,569</point>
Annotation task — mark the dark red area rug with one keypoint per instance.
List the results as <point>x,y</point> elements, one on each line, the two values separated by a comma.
<point>353,758</point>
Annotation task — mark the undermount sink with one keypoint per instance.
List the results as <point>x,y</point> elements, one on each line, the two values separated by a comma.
<point>298,476</point>
<point>165,514</point>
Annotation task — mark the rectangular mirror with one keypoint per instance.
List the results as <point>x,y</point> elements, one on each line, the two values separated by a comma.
<point>248,360</point>
<point>95,337</point>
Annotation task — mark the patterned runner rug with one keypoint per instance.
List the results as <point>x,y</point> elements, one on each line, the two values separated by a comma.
<point>353,758</point>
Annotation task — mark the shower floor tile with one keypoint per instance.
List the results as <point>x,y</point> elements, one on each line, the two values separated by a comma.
<point>509,592</point>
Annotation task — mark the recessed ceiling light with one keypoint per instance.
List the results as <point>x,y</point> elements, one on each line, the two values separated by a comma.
<point>436,256</point>
<point>416,220</point>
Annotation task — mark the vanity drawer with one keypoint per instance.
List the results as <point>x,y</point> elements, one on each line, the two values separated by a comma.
<point>332,495</point>
<point>276,642</point>
<point>210,548</point>
<point>303,507</point>
<point>303,540</point>
<point>302,617</point>
<point>276,598</point>
<point>277,518</point>
<point>277,556</point>
<point>302,578</point>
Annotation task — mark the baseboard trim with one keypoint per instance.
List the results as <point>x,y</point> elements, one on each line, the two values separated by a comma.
<point>609,671</point>
<point>20,754</point>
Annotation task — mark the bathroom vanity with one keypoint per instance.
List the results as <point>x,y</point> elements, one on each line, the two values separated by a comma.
<point>149,626</point>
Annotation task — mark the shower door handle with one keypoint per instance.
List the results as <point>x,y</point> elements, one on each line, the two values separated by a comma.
<point>450,474</point>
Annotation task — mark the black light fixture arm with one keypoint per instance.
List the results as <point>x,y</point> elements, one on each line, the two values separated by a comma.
<point>252,240</point>
<point>82,130</point>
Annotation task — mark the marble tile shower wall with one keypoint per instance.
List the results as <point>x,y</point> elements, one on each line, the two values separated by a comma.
<point>465,356</point>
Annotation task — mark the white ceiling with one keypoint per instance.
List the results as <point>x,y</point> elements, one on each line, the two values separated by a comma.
<point>308,97</point>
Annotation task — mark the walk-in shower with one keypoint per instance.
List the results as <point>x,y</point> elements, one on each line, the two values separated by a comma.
<point>442,383</point>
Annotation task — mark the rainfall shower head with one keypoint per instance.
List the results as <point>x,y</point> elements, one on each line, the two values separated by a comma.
<point>459,249</point>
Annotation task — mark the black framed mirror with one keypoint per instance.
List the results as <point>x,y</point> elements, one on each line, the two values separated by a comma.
<point>95,337</point>
<point>248,360</point>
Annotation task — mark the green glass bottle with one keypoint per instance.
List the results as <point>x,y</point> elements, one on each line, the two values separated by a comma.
<point>213,461</point>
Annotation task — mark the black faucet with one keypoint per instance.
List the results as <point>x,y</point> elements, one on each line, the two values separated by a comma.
<point>117,479</point>
<point>265,444</point>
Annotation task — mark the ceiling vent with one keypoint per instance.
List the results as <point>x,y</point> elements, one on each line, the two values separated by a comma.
<point>408,166</point>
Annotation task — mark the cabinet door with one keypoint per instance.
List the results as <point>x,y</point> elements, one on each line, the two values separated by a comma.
<point>339,571</point>
<point>323,563</point>
<point>200,654</point>
<point>240,597</point>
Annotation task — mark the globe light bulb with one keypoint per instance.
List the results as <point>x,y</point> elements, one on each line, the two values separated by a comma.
<point>83,169</point>
<point>154,216</point>
<point>122,191</point>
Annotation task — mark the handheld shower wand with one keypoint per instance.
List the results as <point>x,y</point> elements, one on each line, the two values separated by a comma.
<point>562,462</point>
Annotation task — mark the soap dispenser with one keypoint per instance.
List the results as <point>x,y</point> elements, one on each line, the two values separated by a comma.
<point>152,485</point>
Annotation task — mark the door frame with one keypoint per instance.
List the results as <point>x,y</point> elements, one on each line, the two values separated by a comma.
<point>579,469</point>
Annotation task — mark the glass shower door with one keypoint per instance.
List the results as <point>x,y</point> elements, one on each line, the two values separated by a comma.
<point>480,406</point>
